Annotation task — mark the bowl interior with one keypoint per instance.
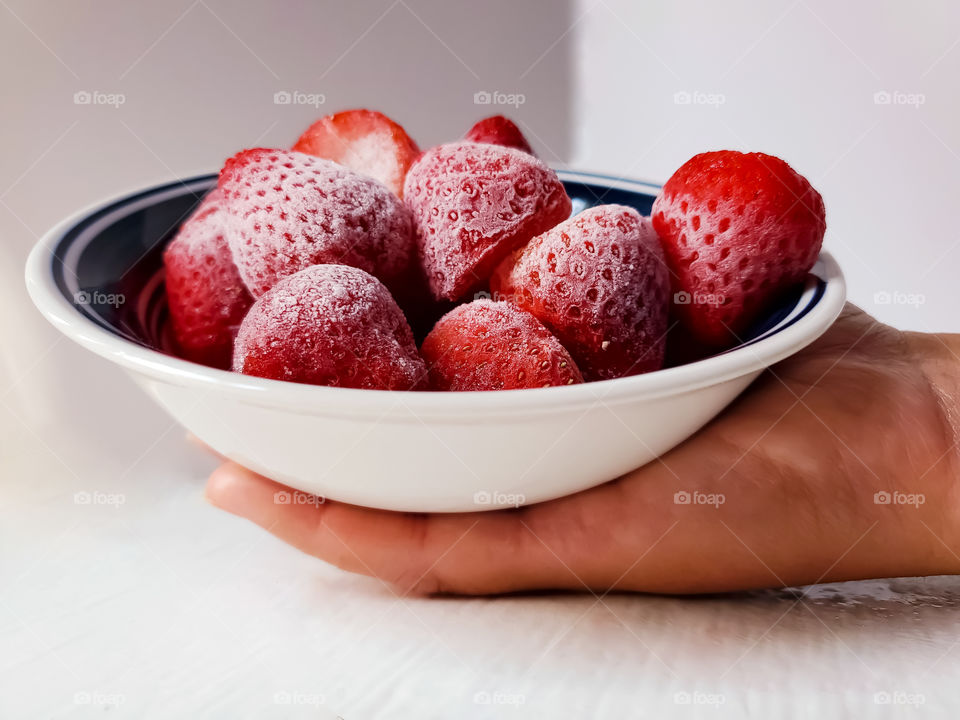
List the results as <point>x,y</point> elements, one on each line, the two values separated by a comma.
<point>109,265</point>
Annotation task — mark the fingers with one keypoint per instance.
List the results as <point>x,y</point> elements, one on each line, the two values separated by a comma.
<point>471,553</point>
<point>349,537</point>
<point>628,535</point>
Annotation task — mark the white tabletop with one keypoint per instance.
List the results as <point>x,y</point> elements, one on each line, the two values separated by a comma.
<point>124,591</point>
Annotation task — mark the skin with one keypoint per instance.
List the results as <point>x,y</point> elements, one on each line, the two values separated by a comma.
<point>798,459</point>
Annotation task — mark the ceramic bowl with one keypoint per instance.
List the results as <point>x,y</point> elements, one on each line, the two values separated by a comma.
<point>98,278</point>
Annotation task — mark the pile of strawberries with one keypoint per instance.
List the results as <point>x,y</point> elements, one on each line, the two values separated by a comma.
<point>323,264</point>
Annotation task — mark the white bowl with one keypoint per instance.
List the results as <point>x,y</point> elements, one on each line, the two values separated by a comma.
<point>409,451</point>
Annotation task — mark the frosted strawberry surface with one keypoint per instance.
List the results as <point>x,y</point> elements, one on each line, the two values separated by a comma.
<point>339,247</point>
<point>206,297</point>
<point>329,325</point>
<point>600,283</point>
<point>289,211</point>
<point>474,203</point>
<point>365,141</point>
<point>487,345</point>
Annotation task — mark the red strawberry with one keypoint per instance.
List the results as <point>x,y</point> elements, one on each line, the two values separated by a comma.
<point>488,345</point>
<point>289,211</point>
<point>329,325</point>
<point>599,283</point>
<point>498,130</point>
<point>737,229</point>
<point>475,203</point>
<point>206,297</point>
<point>365,141</point>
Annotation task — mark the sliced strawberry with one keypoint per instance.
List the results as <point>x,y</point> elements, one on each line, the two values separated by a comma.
<point>498,130</point>
<point>205,294</point>
<point>737,230</point>
<point>486,345</point>
<point>365,141</point>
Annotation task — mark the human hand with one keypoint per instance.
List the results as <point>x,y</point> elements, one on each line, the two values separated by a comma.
<point>797,461</point>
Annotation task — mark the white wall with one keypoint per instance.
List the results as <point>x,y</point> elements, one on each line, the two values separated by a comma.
<point>798,79</point>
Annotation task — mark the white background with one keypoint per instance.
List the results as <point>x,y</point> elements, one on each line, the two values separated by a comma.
<point>171,609</point>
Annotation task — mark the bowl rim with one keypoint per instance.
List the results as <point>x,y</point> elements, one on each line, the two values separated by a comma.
<point>751,357</point>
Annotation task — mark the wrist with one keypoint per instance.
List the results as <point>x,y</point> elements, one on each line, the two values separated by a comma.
<point>938,357</point>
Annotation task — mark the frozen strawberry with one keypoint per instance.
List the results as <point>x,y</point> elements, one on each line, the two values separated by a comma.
<point>498,130</point>
<point>599,283</point>
<point>365,141</point>
<point>737,229</point>
<point>205,295</point>
<point>487,345</point>
<point>289,211</point>
<point>475,203</point>
<point>329,325</point>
